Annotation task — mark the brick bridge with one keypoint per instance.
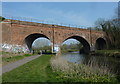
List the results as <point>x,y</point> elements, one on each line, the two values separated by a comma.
<point>15,32</point>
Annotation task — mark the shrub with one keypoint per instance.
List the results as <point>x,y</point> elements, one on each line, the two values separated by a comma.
<point>2,18</point>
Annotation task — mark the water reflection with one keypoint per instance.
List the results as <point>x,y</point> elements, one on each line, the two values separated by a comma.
<point>73,57</point>
<point>109,62</point>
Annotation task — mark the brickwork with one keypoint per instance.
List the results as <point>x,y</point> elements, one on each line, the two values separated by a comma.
<point>16,33</point>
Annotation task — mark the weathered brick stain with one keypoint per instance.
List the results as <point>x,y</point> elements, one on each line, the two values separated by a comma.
<point>16,33</point>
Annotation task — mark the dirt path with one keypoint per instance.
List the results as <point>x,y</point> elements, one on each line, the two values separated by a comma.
<point>16,64</point>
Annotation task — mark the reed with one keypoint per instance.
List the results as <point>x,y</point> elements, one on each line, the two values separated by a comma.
<point>90,72</point>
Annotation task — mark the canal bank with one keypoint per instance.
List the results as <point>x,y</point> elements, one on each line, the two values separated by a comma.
<point>109,53</point>
<point>70,67</point>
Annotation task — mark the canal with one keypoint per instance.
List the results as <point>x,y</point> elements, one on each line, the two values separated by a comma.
<point>113,64</point>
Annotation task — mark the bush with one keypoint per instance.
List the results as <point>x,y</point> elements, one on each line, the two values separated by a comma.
<point>2,18</point>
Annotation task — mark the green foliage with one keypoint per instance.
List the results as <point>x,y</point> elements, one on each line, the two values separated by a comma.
<point>40,70</point>
<point>27,55</point>
<point>9,59</point>
<point>111,53</point>
<point>112,31</point>
<point>44,49</point>
<point>63,77</point>
<point>33,71</point>
<point>70,72</point>
<point>71,47</point>
<point>40,42</point>
<point>1,18</point>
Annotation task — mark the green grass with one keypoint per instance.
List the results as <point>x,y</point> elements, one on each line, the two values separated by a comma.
<point>110,53</point>
<point>39,70</point>
<point>70,50</point>
<point>7,60</point>
<point>2,52</point>
<point>70,72</point>
<point>33,71</point>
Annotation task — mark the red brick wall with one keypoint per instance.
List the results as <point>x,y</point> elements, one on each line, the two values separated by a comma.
<point>16,33</point>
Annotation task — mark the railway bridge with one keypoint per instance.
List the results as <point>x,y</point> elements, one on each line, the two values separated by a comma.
<point>23,33</point>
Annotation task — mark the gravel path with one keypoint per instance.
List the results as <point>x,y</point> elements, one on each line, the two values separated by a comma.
<point>16,64</point>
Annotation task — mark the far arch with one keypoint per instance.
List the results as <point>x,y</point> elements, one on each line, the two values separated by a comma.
<point>31,38</point>
<point>83,41</point>
<point>100,44</point>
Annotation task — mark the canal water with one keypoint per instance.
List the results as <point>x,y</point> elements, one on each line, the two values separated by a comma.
<point>110,62</point>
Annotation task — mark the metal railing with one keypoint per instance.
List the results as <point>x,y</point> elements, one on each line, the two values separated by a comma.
<point>33,21</point>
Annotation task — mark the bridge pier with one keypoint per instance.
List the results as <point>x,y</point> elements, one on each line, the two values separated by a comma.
<point>20,34</point>
<point>92,48</point>
<point>56,48</point>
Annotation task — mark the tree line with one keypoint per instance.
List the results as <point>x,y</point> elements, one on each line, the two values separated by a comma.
<point>112,31</point>
<point>71,47</point>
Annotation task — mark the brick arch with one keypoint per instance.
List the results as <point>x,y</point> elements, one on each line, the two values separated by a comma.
<point>83,41</point>
<point>32,37</point>
<point>15,33</point>
<point>101,43</point>
<point>82,35</point>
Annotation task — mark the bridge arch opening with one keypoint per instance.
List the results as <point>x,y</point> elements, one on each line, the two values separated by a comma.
<point>100,44</point>
<point>86,47</point>
<point>31,38</point>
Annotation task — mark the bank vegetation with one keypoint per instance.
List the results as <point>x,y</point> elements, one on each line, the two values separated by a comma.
<point>91,72</point>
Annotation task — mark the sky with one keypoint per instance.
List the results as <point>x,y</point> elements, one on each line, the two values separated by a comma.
<point>41,42</point>
<point>82,14</point>
<point>59,0</point>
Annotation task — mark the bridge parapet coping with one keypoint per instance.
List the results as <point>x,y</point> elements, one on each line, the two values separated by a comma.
<point>10,21</point>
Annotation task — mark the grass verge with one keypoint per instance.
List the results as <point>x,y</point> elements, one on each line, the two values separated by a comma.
<point>41,70</point>
<point>9,57</point>
<point>71,72</point>
<point>33,71</point>
<point>110,53</point>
